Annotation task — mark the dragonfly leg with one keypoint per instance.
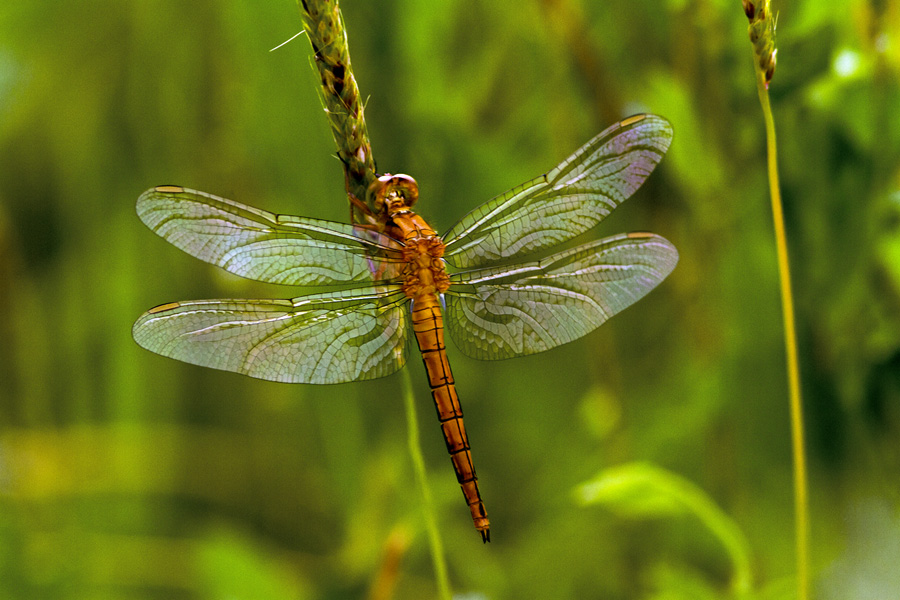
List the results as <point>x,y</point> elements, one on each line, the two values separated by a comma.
<point>362,207</point>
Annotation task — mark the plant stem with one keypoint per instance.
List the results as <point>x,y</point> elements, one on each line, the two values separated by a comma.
<point>325,29</point>
<point>415,451</point>
<point>801,501</point>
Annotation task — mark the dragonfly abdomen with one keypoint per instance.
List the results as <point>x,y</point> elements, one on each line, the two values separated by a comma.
<point>428,325</point>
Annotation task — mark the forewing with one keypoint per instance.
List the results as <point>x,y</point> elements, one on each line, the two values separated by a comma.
<point>565,202</point>
<point>260,245</point>
<point>336,337</point>
<point>513,311</point>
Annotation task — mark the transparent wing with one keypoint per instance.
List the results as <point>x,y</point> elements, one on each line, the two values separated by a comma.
<point>335,337</point>
<point>565,202</point>
<point>531,307</point>
<point>260,245</point>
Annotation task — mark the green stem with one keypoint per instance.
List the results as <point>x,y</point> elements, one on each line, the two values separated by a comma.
<point>726,531</point>
<point>801,501</point>
<point>324,27</point>
<point>415,452</point>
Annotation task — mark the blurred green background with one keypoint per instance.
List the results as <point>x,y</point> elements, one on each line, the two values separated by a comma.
<point>128,475</point>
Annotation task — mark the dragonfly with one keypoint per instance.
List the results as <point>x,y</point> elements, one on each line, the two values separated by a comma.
<point>391,279</point>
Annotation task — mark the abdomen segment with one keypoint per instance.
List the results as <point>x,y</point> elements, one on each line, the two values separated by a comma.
<point>428,325</point>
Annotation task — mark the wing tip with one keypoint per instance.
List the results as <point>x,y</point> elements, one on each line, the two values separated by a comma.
<point>655,122</point>
<point>671,251</point>
<point>144,201</point>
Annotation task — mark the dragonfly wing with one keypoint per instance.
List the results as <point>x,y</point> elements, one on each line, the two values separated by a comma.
<point>565,202</point>
<point>523,309</point>
<point>320,338</point>
<point>264,246</point>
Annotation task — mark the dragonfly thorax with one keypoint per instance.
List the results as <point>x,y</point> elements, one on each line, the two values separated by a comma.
<point>424,273</point>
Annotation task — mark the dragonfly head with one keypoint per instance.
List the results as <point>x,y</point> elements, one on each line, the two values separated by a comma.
<point>394,193</point>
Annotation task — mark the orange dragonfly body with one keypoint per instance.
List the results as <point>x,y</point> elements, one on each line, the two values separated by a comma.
<point>394,279</point>
<point>424,278</point>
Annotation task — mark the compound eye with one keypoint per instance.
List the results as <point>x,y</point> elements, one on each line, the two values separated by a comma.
<point>385,180</point>
<point>394,190</point>
<point>407,187</point>
<point>378,189</point>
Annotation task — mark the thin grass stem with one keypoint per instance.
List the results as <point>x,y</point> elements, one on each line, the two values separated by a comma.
<point>762,36</point>
<point>415,451</point>
<point>801,495</point>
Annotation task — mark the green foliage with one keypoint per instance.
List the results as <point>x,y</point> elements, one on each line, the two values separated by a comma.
<point>644,491</point>
<point>126,475</point>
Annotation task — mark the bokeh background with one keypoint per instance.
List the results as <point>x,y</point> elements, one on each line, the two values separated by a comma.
<point>127,475</point>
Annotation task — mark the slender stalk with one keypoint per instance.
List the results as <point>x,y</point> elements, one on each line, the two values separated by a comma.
<point>415,451</point>
<point>762,34</point>
<point>801,499</point>
<point>325,29</point>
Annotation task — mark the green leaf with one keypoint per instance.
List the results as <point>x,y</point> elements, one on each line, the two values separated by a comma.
<point>645,491</point>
